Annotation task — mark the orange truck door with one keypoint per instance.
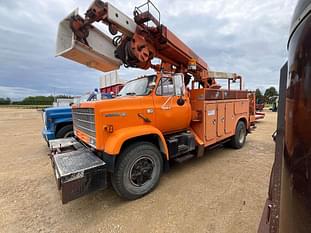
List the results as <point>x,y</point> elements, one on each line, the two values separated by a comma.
<point>220,119</point>
<point>229,119</point>
<point>169,115</point>
<point>210,122</point>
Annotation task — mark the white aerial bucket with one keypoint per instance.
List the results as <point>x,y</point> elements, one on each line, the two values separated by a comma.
<point>98,55</point>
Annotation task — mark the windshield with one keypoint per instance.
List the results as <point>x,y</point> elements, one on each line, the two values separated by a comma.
<point>138,87</point>
<point>81,99</point>
<point>90,96</point>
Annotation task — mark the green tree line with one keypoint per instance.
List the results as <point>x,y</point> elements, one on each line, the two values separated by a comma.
<point>5,101</point>
<point>268,96</point>
<point>33,100</point>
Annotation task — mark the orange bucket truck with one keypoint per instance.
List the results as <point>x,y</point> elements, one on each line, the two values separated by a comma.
<point>170,115</point>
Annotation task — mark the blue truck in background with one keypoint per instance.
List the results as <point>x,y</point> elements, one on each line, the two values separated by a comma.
<point>57,123</point>
<point>58,120</point>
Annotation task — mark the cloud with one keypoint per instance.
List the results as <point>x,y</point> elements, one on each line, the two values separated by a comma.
<point>16,93</point>
<point>247,37</point>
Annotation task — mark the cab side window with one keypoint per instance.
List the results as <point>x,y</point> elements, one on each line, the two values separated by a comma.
<point>165,87</point>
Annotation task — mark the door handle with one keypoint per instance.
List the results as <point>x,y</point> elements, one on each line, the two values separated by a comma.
<point>214,122</point>
<point>146,119</point>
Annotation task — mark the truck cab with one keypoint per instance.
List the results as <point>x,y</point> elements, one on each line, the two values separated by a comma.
<point>149,105</point>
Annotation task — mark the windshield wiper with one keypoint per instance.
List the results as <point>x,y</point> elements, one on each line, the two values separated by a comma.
<point>131,93</point>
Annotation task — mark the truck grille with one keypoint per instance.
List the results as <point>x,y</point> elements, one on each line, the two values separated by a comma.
<point>84,120</point>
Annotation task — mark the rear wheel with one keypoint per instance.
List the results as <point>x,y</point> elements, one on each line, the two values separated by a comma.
<point>238,140</point>
<point>65,132</point>
<point>138,170</point>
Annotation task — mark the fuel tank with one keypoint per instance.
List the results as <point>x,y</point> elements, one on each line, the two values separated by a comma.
<point>295,205</point>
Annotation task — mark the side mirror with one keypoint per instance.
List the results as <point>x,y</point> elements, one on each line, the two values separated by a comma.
<point>181,101</point>
<point>182,91</point>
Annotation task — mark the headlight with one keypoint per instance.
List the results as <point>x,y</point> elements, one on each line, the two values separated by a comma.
<point>44,118</point>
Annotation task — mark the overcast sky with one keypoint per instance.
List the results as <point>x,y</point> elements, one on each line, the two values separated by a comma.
<point>244,36</point>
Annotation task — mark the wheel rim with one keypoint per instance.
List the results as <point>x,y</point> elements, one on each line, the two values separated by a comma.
<point>141,171</point>
<point>242,135</point>
<point>68,134</point>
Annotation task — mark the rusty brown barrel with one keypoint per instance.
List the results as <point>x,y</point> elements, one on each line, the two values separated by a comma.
<point>295,211</point>
<point>288,207</point>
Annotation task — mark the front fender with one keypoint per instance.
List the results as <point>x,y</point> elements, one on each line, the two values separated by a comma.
<point>116,139</point>
<point>63,120</point>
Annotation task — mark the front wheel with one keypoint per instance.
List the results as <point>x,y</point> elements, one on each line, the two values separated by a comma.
<point>65,132</point>
<point>238,140</point>
<point>137,171</point>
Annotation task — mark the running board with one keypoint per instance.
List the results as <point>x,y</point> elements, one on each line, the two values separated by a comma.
<point>184,158</point>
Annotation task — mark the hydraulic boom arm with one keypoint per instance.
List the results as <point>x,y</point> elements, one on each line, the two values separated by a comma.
<point>136,42</point>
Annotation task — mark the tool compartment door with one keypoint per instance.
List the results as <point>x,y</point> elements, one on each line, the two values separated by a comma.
<point>210,121</point>
<point>229,119</point>
<point>220,119</point>
<point>241,107</point>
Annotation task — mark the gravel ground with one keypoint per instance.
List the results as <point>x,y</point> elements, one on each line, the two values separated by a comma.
<point>222,192</point>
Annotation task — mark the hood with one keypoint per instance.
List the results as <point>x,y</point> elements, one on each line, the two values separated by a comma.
<point>119,102</point>
<point>57,110</point>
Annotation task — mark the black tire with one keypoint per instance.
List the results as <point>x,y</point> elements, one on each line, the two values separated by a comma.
<point>137,171</point>
<point>238,140</point>
<point>274,108</point>
<point>65,132</point>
